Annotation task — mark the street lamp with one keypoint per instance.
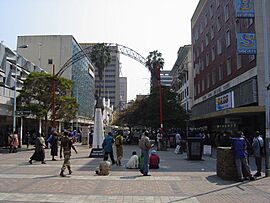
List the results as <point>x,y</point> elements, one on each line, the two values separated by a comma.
<point>15,92</point>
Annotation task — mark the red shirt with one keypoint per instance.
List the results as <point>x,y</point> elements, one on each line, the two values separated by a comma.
<point>154,161</point>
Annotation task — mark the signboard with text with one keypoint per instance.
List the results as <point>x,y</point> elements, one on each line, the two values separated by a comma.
<point>245,8</point>
<point>225,101</point>
<point>246,43</point>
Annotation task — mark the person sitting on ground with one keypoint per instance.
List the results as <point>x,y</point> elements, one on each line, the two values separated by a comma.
<point>133,162</point>
<point>154,160</point>
<point>104,167</point>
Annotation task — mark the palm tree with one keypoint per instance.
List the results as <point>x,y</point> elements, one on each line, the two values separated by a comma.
<point>154,62</point>
<point>100,57</point>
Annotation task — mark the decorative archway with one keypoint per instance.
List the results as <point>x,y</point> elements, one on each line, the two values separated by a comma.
<point>87,51</point>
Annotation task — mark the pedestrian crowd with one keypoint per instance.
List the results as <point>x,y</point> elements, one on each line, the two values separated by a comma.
<point>148,157</point>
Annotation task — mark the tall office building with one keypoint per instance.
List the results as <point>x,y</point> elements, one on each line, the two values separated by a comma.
<point>123,92</point>
<point>229,87</point>
<point>59,49</point>
<point>110,83</point>
<point>165,78</point>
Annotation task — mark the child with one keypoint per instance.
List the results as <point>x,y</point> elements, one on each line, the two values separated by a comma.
<point>154,160</point>
<point>133,162</point>
<point>104,167</point>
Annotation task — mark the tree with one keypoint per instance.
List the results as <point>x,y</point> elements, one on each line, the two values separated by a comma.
<point>36,96</point>
<point>146,112</point>
<point>100,57</point>
<point>154,62</point>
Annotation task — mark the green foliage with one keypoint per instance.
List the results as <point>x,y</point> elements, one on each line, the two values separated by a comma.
<point>101,57</point>
<point>153,60</point>
<point>146,112</point>
<point>36,95</point>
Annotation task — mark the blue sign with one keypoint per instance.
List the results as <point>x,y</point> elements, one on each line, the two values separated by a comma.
<point>246,43</point>
<point>245,8</point>
<point>225,101</point>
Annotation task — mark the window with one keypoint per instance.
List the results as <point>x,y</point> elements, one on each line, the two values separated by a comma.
<point>212,32</point>
<point>198,87</point>
<point>198,52</point>
<point>229,66</point>
<point>206,39</point>
<point>226,13</point>
<point>205,20</point>
<point>201,27</point>
<point>251,57</point>
<point>218,23</point>
<point>213,53</point>
<point>208,81</point>
<point>211,11</point>
<point>213,76</point>
<point>239,61</point>
<point>220,72</point>
<point>203,85</point>
<point>207,59</point>
<point>202,47</point>
<point>217,3</point>
<point>228,38</point>
<point>202,64</point>
<point>219,47</point>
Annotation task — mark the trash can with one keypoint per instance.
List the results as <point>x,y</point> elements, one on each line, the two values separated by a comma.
<point>194,148</point>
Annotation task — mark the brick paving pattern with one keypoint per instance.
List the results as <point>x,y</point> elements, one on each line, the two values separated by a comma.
<point>178,180</point>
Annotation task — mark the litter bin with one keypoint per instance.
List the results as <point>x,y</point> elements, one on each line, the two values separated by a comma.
<point>194,148</point>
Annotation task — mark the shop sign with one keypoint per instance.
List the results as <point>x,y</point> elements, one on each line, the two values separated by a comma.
<point>246,43</point>
<point>233,120</point>
<point>245,8</point>
<point>225,101</point>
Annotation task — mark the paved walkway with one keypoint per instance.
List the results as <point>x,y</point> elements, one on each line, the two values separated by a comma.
<point>178,180</point>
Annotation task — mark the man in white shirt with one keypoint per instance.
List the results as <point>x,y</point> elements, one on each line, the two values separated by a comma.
<point>133,162</point>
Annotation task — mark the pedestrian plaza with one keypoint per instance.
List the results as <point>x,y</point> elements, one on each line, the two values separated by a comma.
<point>177,180</point>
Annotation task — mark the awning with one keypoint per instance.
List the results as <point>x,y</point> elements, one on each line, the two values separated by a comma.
<point>230,112</point>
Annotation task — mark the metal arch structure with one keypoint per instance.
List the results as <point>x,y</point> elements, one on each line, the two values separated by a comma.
<point>87,51</point>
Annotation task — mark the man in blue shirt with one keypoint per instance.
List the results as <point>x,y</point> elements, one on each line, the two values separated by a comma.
<point>240,155</point>
<point>107,146</point>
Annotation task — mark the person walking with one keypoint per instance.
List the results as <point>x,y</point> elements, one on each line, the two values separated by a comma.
<point>27,139</point>
<point>39,154</point>
<point>145,146</point>
<point>257,146</point>
<point>107,146</point>
<point>119,147</point>
<point>66,145</point>
<point>54,145</point>
<point>178,148</point>
<point>239,146</point>
<point>14,143</point>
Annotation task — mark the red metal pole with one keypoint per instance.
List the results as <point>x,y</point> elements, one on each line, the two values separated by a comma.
<point>160,101</point>
<point>53,100</point>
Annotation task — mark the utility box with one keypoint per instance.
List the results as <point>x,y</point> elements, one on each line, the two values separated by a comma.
<point>194,148</point>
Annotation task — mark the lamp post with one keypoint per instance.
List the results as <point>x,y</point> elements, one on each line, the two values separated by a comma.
<point>15,94</point>
<point>15,90</point>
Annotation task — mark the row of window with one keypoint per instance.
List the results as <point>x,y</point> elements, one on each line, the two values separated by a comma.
<point>204,22</point>
<point>217,73</point>
<point>184,94</point>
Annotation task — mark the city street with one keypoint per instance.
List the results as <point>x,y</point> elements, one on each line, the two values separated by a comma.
<point>178,180</point>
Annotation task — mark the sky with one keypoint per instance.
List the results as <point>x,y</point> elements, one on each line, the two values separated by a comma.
<point>142,25</point>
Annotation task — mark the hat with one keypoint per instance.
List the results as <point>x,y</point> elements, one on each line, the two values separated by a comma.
<point>153,152</point>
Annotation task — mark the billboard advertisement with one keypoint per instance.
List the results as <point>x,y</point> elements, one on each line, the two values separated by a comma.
<point>245,8</point>
<point>246,43</point>
<point>225,101</point>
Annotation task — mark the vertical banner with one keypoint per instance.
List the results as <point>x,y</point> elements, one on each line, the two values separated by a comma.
<point>245,8</point>
<point>246,43</point>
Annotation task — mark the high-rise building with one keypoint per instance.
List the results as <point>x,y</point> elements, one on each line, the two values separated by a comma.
<point>123,92</point>
<point>58,49</point>
<point>110,83</point>
<point>165,78</point>
<point>229,87</point>
<point>182,77</point>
